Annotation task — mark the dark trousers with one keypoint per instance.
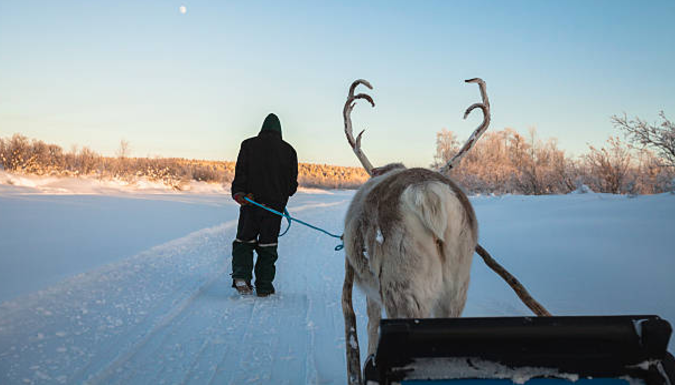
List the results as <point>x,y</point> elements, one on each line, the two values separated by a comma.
<point>257,230</point>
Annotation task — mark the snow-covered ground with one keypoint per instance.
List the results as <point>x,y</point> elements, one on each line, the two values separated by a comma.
<point>131,285</point>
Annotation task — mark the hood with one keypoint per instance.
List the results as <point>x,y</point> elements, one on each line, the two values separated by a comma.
<point>272,124</point>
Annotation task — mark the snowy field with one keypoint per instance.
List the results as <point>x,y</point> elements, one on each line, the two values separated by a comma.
<point>130,285</point>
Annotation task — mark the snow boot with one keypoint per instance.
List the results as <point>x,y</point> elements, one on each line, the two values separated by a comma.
<point>243,287</point>
<point>265,293</point>
<point>242,260</point>
<point>265,269</point>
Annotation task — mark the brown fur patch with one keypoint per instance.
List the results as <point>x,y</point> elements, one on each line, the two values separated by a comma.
<point>385,197</point>
<point>440,249</point>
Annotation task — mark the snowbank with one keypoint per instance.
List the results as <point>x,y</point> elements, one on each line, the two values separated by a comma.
<point>90,185</point>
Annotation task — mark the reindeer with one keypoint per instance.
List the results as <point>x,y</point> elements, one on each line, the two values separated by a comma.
<point>410,235</point>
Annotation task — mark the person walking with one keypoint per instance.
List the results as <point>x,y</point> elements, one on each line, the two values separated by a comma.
<point>266,172</point>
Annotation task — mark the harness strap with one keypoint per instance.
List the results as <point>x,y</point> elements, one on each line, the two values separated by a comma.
<point>290,218</point>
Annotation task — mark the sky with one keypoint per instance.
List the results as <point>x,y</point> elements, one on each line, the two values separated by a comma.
<point>194,78</point>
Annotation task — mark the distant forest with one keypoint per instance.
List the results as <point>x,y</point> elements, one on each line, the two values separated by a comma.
<point>22,155</point>
<point>502,162</point>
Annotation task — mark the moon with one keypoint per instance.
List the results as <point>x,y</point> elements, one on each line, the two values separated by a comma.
<point>182,9</point>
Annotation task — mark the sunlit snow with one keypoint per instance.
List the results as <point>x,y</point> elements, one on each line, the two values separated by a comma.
<point>103,283</point>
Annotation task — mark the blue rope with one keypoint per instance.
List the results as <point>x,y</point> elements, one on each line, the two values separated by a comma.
<point>289,223</point>
<point>290,218</point>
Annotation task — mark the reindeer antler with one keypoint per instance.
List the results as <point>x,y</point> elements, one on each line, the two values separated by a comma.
<point>485,106</point>
<point>346,113</point>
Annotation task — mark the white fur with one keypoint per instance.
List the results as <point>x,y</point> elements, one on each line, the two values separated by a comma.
<point>416,265</point>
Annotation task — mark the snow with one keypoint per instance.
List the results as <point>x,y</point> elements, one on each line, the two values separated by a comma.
<point>379,238</point>
<point>131,285</point>
<point>352,342</point>
<point>582,189</point>
<point>89,185</point>
<point>645,365</point>
<point>47,238</point>
<point>441,368</point>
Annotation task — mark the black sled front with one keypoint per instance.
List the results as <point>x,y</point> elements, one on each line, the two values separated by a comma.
<point>595,350</point>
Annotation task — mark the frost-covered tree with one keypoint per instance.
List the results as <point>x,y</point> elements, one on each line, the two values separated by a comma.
<point>124,149</point>
<point>659,137</point>
<point>507,162</point>
<point>17,155</point>
<point>447,146</point>
<point>651,176</point>
<point>609,166</point>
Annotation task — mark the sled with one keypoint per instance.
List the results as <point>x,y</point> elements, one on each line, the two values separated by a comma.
<point>593,350</point>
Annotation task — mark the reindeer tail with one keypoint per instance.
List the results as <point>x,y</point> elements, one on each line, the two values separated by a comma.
<point>429,202</point>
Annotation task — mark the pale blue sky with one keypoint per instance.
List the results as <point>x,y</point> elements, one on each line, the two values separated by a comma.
<point>196,84</point>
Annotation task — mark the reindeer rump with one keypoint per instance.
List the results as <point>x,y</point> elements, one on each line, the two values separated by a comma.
<point>418,231</point>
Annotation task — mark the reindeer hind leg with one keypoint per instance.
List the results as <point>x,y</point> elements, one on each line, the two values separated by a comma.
<point>351,337</point>
<point>402,301</point>
<point>374,317</point>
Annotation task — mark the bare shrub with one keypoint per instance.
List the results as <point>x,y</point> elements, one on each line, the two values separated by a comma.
<point>609,167</point>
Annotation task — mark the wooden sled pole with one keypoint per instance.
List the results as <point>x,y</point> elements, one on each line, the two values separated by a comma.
<point>520,290</point>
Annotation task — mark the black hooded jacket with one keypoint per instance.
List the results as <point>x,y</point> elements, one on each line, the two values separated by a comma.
<point>267,167</point>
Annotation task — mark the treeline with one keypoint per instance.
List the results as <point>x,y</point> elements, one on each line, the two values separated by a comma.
<point>501,162</point>
<point>507,162</point>
<point>334,177</point>
<point>22,155</point>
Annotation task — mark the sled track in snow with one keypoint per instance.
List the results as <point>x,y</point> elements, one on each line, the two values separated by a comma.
<point>110,370</point>
<point>220,365</point>
<point>169,315</point>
